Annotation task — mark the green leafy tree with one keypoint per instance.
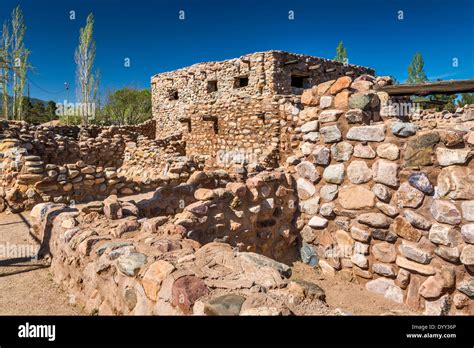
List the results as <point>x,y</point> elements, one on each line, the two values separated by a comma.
<point>51,110</point>
<point>447,99</point>
<point>126,106</point>
<point>466,98</point>
<point>416,71</point>
<point>341,53</point>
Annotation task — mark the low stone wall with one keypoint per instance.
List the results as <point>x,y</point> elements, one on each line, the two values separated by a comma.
<point>386,202</point>
<point>39,165</point>
<point>114,258</point>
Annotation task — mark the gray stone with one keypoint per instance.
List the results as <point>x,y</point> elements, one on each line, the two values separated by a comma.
<point>445,212</point>
<point>364,151</point>
<point>374,220</point>
<point>388,151</point>
<point>325,101</point>
<point>358,172</point>
<point>412,252</point>
<point>386,173</point>
<point>409,197</point>
<point>387,209</point>
<point>308,127</point>
<point>312,137</point>
<point>384,269</point>
<point>308,171</point>
<point>330,134</point>
<point>442,234</point>
<point>229,304</point>
<point>367,133</point>
<point>438,307</point>
<point>447,157</point>
<point>342,151</point>
<point>387,288</point>
<point>355,116</point>
<point>130,264</point>
<point>449,254</point>
<point>467,233</point>
<point>360,234</point>
<point>304,188</point>
<point>359,101</point>
<point>417,220</point>
<point>308,255</point>
<point>327,209</point>
<point>467,208</point>
<point>329,115</point>
<point>322,155</point>
<point>382,192</point>
<point>309,206</point>
<point>334,173</point>
<point>328,192</point>
<point>360,261</point>
<point>403,129</point>
<point>318,222</point>
<point>466,286</point>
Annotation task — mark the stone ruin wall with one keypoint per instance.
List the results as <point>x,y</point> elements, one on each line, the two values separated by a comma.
<point>385,202</point>
<point>236,121</point>
<point>73,164</point>
<point>362,196</point>
<point>187,250</point>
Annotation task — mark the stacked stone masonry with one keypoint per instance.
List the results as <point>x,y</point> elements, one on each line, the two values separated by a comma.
<point>385,201</point>
<point>231,108</point>
<point>263,174</point>
<point>72,164</point>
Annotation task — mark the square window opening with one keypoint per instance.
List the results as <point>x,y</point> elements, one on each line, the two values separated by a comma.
<point>299,81</point>
<point>211,86</point>
<point>240,82</point>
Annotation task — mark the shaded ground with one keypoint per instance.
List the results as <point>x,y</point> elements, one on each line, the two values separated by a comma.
<point>27,288</point>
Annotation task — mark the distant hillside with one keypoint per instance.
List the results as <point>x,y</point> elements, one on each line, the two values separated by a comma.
<point>33,101</point>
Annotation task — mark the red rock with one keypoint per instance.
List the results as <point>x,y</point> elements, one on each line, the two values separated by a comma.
<point>112,208</point>
<point>412,297</point>
<point>340,84</point>
<point>308,98</point>
<point>185,291</point>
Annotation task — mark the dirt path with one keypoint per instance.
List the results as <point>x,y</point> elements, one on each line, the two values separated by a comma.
<point>27,288</point>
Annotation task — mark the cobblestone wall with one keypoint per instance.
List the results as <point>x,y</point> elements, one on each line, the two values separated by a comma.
<point>383,201</point>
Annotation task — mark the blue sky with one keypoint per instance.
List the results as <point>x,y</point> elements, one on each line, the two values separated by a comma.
<point>150,34</point>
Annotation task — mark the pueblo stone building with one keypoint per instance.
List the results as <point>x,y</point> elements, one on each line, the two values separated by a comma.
<point>233,107</point>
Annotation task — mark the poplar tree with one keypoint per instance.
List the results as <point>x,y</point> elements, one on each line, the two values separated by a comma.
<point>87,81</point>
<point>341,53</point>
<point>4,68</point>
<point>19,55</point>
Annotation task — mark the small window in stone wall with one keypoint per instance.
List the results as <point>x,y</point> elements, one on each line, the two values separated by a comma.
<point>299,81</point>
<point>241,81</point>
<point>173,94</point>
<point>211,86</point>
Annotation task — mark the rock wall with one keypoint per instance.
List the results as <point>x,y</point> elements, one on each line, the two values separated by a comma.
<point>119,257</point>
<point>82,164</point>
<point>217,90</point>
<point>386,202</point>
